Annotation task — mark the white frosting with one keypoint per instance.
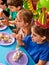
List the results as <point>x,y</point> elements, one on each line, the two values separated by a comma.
<point>16,55</point>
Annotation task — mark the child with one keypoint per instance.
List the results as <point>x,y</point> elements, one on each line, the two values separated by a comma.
<point>5,8</point>
<point>2,15</point>
<point>37,44</point>
<point>24,21</point>
<point>14,6</point>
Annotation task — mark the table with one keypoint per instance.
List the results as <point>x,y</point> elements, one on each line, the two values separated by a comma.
<point>5,49</point>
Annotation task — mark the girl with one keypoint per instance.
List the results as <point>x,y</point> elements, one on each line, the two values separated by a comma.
<point>24,21</point>
<point>37,44</point>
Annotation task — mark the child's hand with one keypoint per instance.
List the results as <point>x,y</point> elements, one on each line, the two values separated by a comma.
<point>14,35</point>
<point>19,37</point>
<point>10,17</point>
<point>5,22</point>
<point>14,30</point>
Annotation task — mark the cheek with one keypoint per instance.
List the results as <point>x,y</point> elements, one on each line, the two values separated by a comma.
<point>18,24</point>
<point>12,10</point>
<point>36,39</point>
<point>21,24</point>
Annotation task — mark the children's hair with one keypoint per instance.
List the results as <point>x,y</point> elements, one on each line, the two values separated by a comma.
<point>25,15</point>
<point>15,3</point>
<point>42,32</point>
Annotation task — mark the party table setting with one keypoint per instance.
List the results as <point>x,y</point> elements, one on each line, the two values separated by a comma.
<point>10,52</point>
<point>8,47</point>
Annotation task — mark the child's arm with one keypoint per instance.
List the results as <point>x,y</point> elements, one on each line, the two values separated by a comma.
<point>6,22</point>
<point>12,22</point>
<point>41,62</point>
<point>10,17</point>
<point>19,38</point>
<point>20,43</point>
<point>16,30</point>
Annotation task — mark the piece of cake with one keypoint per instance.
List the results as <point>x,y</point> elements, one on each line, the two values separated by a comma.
<point>17,55</point>
<point>1,36</point>
<point>7,39</point>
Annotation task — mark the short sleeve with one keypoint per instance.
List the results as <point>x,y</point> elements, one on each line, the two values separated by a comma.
<point>27,39</point>
<point>45,55</point>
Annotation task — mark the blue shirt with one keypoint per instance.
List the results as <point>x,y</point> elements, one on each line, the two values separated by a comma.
<point>36,51</point>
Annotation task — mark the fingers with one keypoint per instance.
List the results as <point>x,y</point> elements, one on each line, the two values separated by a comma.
<point>14,35</point>
<point>5,22</point>
<point>19,37</point>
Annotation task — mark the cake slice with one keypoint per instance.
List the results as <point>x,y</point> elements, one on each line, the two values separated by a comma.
<point>17,55</point>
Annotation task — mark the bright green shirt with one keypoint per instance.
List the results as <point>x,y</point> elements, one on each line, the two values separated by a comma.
<point>13,14</point>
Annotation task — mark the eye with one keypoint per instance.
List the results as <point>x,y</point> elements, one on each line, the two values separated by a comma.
<point>34,35</point>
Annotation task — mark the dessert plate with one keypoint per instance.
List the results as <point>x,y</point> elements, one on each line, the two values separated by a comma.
<point>2,27</point>
<point>6,39</point>
<point>2,64</point>
<point>22,61</point>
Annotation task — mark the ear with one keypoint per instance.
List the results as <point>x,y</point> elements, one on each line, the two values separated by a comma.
<point>44,37</point>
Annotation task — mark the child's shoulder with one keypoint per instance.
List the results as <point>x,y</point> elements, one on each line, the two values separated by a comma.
<point>28,37</point>
<point>46,45</point>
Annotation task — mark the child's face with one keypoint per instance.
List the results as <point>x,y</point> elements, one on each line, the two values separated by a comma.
<point>19,22</point>
<point>12,8</point>
<point>3,6</point>
<point>36,38</point>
